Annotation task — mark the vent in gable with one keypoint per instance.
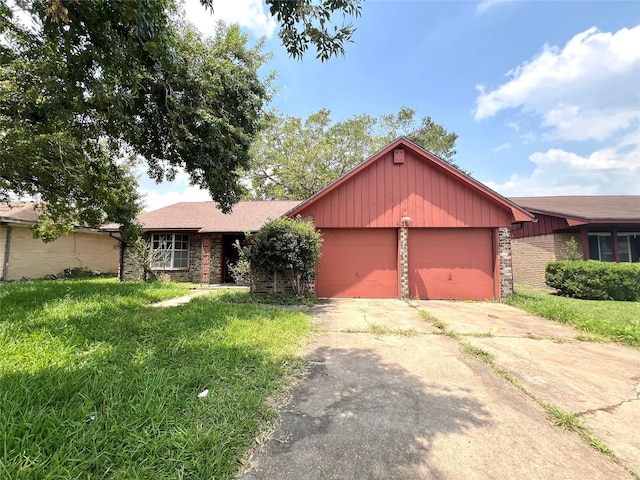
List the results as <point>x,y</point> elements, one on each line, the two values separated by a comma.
<point>398,155</point>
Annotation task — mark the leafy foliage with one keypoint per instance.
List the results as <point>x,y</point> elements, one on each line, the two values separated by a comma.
<point>294,158</point>
<point>96,85</point>
<point>241,270</point>
<point>307,22</point>
<point>290,247</point>
<point>572,250</point>
<point>595,280</point>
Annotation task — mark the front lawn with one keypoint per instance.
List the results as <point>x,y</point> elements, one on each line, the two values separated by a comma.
<point>96,384</point>
<point>610,320</point>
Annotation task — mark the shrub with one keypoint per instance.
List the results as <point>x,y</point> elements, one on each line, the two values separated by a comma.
<point>241,270</point>
<point>290,247</point>
<point>593,280</point>
<point>572,250</point>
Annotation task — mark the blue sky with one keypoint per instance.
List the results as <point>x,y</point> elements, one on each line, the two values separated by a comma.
<point>544,96</point>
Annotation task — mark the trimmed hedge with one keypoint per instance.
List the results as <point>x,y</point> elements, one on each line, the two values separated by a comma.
<point>593,280</point>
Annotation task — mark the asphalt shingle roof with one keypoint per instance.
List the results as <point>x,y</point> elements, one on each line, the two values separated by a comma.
<point>206,217</point>
<point>594,207</point>
<point>18,212</point>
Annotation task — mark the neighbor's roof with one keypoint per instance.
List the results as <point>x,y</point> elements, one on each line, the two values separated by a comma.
<point>599,208</point>
<point>206,217</point>
<point>22,212</point>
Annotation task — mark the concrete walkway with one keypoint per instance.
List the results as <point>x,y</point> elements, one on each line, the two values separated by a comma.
<point>387,397</point>
<point>176,301</point>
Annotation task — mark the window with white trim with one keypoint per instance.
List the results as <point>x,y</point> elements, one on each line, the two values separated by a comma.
<point>601,247</point>
<point>629,247</point>
<point>169,251</point>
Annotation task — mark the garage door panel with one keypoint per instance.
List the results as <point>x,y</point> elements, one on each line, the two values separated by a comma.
<point>358,263</point>
<point>454,264</point>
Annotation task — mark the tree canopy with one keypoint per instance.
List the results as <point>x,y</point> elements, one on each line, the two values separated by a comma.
<point>88,88</point>
<point>294,158</point>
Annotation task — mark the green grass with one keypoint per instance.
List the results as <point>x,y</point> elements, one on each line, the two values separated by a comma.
<point>571,421</point>
<point>380,329</point>
<point>285,299</point>
<point>96,384</point>
<point>600,319</point>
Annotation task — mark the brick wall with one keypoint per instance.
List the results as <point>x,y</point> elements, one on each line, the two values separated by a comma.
<point>505,262</point>
<point>132,271</point>
<point>531,255</point>
<point>32,258</point>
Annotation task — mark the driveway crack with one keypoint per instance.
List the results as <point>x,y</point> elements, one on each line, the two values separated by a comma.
<point>610,408</point>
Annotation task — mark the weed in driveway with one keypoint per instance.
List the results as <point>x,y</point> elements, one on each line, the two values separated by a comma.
<point>379,329</point>
<point>571,421</point>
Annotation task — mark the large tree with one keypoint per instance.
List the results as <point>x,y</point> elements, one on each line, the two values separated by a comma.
<point>294,158</point>
<point>89,86</point>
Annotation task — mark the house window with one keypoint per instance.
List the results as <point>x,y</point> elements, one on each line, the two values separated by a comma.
<point>170,251</point>
<point>601,247</point>
<point>629,247</point>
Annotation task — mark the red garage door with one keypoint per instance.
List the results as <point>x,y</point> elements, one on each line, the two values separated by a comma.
<point>449,263</point>
<point>358,263</point>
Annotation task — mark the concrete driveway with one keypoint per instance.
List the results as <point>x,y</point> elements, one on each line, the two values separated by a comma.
<point>387,396</point>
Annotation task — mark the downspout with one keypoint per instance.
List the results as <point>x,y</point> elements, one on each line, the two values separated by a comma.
<point>123,244</point>
<point>7,251</point>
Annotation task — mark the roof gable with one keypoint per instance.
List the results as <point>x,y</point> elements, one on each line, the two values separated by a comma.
<point>380,192</point>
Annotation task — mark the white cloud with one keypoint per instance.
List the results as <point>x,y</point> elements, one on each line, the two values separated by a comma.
<point>513,125</point>
<point>487,4</point>
<point>500,148</point>
<point>586,90</point>
<point>571,123</point>
<point>609,171</point>
<point>247,13</point>
<point>529,137</point>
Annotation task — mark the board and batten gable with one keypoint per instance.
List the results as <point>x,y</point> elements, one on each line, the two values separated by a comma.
<point>380,193</point>
<point>404,223</point>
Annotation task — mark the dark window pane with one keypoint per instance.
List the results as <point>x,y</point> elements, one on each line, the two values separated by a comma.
<point>593,248</point>
<point>606,248</point>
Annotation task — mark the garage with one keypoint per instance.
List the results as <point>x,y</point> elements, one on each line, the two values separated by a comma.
<point>451,264</point>
<point>404,223</point>
<point>358,263</point>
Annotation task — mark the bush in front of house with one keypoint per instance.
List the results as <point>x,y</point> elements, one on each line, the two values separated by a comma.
<point>289,247</point>
<point>593,280</point>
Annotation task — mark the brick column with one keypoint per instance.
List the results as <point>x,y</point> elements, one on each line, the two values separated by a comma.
<point>206,260</point>
<point>505,264</point>
<point>404,262</point>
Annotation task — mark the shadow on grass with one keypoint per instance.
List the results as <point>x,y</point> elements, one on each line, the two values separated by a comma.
<point>104,387</point>
<point>357,416</point>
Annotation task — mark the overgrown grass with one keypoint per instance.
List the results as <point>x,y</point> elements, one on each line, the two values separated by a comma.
<point>380,329</point>
<point>616,321</point>
<point>96,384</point>
<point>286,299</point>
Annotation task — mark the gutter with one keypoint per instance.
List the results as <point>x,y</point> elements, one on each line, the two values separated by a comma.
<point>7,250</point>
<point>123,244</point>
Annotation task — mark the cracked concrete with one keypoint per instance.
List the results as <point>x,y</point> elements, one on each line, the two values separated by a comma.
<point>417,407</point>
<point>597,381</point>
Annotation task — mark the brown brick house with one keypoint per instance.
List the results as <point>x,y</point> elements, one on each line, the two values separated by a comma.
<point>606,228</point>
<point>196,238</point>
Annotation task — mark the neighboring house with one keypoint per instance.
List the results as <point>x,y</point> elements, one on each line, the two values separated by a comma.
<point>193,241</point>
<point>23,256</point>
<point>606,228</point>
